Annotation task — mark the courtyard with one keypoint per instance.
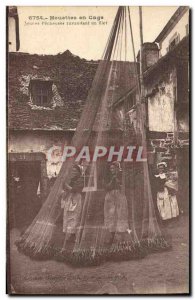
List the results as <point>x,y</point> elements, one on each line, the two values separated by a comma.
<point>165,273</point>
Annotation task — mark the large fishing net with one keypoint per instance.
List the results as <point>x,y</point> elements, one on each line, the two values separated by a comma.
<point>103,209</point>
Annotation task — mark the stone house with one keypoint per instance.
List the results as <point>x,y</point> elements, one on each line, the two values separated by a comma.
<point>46,95</point>
<point>166,87</point>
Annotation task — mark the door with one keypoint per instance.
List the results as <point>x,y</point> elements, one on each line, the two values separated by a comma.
<point>23,192</point>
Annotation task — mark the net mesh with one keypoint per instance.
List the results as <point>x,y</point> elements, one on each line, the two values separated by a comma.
<point>109,214</point>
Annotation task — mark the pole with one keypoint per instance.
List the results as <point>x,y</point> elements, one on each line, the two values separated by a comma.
<point>141,54</point>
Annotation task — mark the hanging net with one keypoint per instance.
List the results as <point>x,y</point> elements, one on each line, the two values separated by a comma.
<point>102,209</point>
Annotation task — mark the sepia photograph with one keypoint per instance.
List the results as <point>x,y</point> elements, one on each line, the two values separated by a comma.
<point>98,150</point>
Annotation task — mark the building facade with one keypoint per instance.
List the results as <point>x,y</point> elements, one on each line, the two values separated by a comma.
<point>47,93</point>
<point>46,96</point>
<point>165,66</point>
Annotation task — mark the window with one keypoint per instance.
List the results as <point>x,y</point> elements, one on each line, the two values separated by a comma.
<point>41,92</point>
<point>187,29</point>
<point>174,41</point>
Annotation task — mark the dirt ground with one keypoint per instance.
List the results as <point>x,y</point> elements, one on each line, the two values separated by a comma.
<point>166,272</point>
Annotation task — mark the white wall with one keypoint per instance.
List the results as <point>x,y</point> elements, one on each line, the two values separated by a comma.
<point>161,113</point>
<point>180,28</point>
<point>12,34</point>
<point>161,103</point>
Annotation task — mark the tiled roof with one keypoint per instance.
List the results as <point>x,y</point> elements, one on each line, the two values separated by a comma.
<point>71,77</point>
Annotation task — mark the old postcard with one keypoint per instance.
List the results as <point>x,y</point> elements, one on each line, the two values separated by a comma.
<point>98,150</point>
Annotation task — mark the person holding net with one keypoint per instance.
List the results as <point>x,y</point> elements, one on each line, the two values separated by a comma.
<point>115,205</point>
<point>71,202</point>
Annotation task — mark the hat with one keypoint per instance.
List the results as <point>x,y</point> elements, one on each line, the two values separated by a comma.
<point>116,164</point>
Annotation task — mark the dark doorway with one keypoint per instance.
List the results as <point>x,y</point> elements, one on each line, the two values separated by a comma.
<point>23,192</point>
